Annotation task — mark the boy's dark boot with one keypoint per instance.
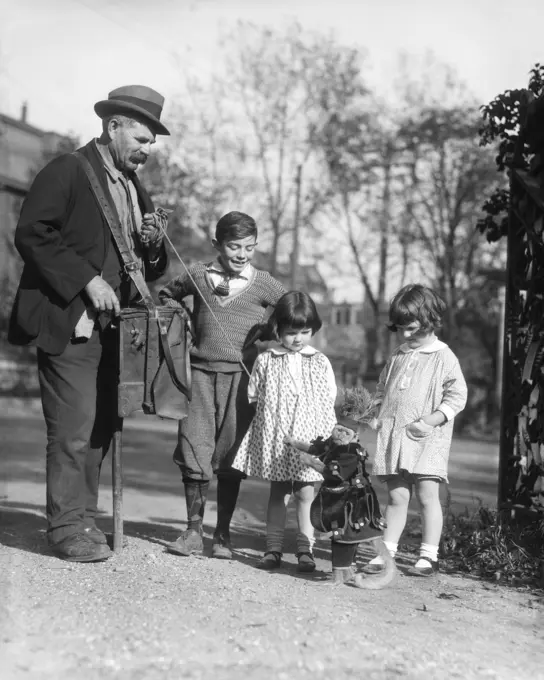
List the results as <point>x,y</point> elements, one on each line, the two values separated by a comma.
<point>190,541</point>
<point>80,548</point>
<point>228,488</point>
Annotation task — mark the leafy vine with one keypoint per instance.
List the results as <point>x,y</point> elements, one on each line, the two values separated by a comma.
<point>513,121</point>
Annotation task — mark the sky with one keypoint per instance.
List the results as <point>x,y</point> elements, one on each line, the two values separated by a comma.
<point>61,56</point>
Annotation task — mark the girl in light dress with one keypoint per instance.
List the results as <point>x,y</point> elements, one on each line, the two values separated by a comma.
<point>420,391</point>
<point>294,389</point>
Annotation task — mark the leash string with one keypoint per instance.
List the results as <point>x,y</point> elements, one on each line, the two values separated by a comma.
<point>222,330</point>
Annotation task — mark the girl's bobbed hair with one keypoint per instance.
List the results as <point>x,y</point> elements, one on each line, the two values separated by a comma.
<point>416,303</point>
<point>294,310</point>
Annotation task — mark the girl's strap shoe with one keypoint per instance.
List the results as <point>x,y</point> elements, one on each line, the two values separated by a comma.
<point>430,570</point>
<point>306,562</point>
<point>270,560</point>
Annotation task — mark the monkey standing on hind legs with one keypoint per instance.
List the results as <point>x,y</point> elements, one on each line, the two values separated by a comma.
<point>346,504</point>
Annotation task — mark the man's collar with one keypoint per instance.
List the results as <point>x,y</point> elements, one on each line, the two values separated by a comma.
<point>280,350</point>
<point>434,346</point>
<point>107,159</point>
<point>217,267</point>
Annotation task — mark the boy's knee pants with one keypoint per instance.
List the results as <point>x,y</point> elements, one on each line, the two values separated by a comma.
<point>219,416</point>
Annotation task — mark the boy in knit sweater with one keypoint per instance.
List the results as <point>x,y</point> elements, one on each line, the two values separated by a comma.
<point>219,411</point>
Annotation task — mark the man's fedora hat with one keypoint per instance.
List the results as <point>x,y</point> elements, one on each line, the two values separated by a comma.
<point>135,99</point>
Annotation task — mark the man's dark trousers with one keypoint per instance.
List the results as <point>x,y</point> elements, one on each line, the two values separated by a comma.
<point>78,389</point>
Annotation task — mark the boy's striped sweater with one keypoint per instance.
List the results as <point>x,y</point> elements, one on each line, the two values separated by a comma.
<point>237,314</point>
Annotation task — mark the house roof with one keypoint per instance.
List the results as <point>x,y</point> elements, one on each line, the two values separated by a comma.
<point>22,125</point>
<point>308,275</point>
<point>13,185</point>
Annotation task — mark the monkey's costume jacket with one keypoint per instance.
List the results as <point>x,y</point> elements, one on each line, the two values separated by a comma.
<point>346,504</point>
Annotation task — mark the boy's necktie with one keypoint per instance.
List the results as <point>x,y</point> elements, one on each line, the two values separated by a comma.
<point>223,287</point>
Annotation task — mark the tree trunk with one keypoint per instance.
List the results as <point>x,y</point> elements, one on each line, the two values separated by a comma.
<point>273,267</point>
<point>382,333</point>
<point>296,229</point>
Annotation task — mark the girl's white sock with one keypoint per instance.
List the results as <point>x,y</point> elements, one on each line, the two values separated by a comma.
<point>304,542</point>
<point>391,549</point>
<point>427,553</point>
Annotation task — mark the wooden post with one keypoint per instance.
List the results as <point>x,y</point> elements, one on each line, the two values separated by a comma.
<point>500,347</point>
<point>506,439</point>
<point>117,485</point>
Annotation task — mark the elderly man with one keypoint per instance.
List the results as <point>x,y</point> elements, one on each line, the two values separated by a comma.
<point>73,285</point>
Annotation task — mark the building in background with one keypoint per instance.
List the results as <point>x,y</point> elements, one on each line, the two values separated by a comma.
<point>24,150</point>
<point>346,332</point>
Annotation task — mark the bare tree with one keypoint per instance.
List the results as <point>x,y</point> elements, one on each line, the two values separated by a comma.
<point>449,174</point>
<point>248,139</point>
<point>363,156</point>
<point>278,80</point>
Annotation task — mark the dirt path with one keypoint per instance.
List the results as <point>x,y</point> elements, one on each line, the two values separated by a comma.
<point>146,614</point>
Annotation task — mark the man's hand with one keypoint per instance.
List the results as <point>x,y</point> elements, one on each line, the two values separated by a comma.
<point>150,234</point>
<point>102,296</point>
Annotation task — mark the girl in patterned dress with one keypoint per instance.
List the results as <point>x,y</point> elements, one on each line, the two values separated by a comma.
<point>420,391</point>
<point>294,389</point>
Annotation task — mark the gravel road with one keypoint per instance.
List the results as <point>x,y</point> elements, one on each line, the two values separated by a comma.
<point>146,614</point>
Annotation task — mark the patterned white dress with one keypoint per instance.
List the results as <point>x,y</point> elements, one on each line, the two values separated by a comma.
<point>294,394</point>
<point>413,384</point>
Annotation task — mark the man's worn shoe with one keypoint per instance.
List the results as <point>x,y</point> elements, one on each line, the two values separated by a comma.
<point>431,570</point>
<point>306,562</point>
<point>189,543</point>
<point>96,535</point>
<point>270,560</point>
<point>221,547</point>
<point>80,548</point>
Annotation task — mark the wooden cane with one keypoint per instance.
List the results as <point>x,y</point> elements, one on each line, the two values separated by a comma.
<point>117,483</point>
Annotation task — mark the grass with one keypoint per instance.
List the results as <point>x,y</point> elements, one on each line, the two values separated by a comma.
<point>487,545</point>
<point>483,544</point>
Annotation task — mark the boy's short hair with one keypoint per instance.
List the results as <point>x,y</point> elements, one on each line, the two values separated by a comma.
<point>294,310</point>
<point>415,302</point>
<point>235,225</point>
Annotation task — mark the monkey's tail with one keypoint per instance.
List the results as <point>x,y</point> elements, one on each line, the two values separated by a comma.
<point>385,577</point>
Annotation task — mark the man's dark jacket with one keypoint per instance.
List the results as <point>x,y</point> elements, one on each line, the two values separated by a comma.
<point>64,241</point>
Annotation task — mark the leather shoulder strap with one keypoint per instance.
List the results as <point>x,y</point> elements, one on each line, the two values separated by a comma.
<point>132,268</point>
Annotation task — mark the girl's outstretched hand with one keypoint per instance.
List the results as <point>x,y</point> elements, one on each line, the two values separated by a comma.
<point>296,443</point>
<point>370,423</point>
<point>311,461</point>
